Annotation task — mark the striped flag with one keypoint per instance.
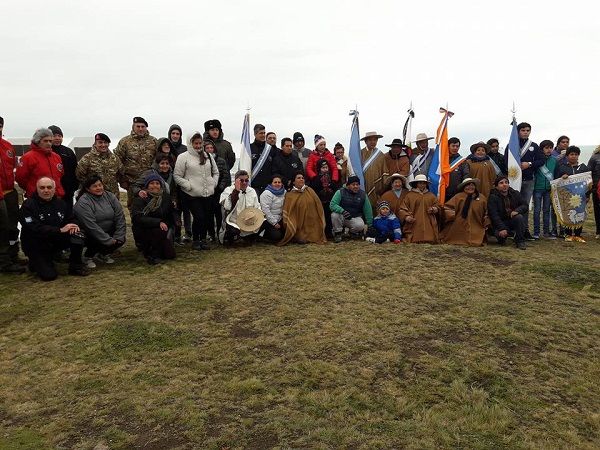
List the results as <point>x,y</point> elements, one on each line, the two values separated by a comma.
<point>512,158</point>
<point>407,130</point>
<point>245,154</point>
<point>354,150</point>
<point>439,170</point>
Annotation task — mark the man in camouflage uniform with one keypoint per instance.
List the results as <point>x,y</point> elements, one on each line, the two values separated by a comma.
<point>102,162</point>
<point>136,153</point>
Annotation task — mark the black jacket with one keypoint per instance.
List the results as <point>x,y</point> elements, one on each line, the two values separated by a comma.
<point>500,207</point>
<point>456,177</point>
<point>41,221</point>
<point>154,218</point>
<point>69,181</point>
<point>533,155</point>
<point>287,166</point>
<point>262,178</point>
<point>224,175</point>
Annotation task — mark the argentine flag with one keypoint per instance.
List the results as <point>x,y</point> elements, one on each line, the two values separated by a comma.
<point>354,151</point>
<point>512,157</point>
<point>245,154</point>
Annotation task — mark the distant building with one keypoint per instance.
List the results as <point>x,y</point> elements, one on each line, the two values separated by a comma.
<point>81,145</point>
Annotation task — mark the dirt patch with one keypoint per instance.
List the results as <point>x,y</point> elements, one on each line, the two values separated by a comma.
<point>244,332</point>
<point>263,439</point>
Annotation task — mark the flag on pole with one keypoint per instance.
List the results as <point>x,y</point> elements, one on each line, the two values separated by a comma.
<point>356,167</point>
<point>407,130</point>
<point>512,158</point>
<point>439,170</point>
<point>245,154</point>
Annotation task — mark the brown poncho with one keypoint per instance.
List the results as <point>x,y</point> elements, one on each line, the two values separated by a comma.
<point>461,231</point>
<point>303,217</point>
<point>485,172</point>
<point>395,202</point>
<point>374,178</point>
<point>425,227</point>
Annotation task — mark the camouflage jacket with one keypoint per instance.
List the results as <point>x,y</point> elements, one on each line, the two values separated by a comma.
<point>136,154</point>
<point>106,165</point>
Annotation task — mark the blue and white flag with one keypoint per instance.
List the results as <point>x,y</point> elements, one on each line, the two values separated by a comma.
<point>354,151</point>
<point>512,158</point>
<point>434,171</point>
<point>245,154</point>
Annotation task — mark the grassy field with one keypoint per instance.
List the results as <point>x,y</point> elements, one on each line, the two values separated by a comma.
<point>355,346</point>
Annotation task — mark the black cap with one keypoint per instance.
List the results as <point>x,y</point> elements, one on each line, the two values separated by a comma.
<point>55,130</point>
<point>213,123</point>
<point>352,179</point>
<point>101,137</point>
<point>1,120</point>
<point>140,120</point>
<point>297,137</point>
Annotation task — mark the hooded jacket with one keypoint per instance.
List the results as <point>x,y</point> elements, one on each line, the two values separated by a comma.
<point>195,179</point>
<point>313,159</point>
<point>100,216</point>
<point>8,161</point>
<point>38,163</point>
<point>222,148</point>
<point>178,146</point>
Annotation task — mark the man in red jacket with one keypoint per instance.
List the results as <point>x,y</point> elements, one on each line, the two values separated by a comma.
<point>321,152</point>
<point>9,208</point>
<point>40,161</point>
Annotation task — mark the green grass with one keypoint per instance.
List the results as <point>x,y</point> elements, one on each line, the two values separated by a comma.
<point>338,346</point>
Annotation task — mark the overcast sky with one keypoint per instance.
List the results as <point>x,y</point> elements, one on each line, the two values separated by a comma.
<point>91,66</point>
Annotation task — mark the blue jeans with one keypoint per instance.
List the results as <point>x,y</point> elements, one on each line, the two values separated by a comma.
<point>541,203</point>
<point>526,194</point>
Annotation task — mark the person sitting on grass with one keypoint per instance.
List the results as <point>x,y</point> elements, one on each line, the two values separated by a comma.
<point>303,218</point>
<point>101,217</point>
<point>507,211</point>
<point>46,231</point>
<point>153,217</point>
<point>395,193</point>
<point>271,203</point>
<point>234,199</point>
<point>419,211</point>
<point>163,167</point>
<point>386,226</point>
<point>350,208</point>
<point>572,167</point>
<point>466,216</point>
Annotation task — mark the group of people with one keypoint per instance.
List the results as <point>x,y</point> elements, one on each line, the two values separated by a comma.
<point>179,194</point>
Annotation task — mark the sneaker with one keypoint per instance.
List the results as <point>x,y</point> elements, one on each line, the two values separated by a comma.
<point>521,245</point>
<point>579,239</point>
<point>551,236</point>
<point>104,258</point>
<point>187,238</point>
<point>528,236</point>
<point>337,238</point>
<point>536,237</point>
<point>196,245</point>
<point>88,262</point>
<point>568,238</point>
<point>153,260</point>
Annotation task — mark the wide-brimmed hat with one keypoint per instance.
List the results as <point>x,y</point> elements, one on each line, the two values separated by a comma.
<point>250,219</point>
<point>371,134</point>
<point>419,177</point>
<point>481,144</point>
<point>397,141</point>
<point>422,137</point>
<point>396,176</point>
<point>466,181</point>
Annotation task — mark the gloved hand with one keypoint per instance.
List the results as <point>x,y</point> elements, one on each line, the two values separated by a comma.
<point>347,215</point>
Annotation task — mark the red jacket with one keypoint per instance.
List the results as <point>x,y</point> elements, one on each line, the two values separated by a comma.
<point>313,159</point>
<point>8,162</point>
<point>38,163</point>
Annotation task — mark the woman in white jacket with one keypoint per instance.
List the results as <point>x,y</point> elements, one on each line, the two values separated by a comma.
<point>197,174</point>
<point>271,203</point>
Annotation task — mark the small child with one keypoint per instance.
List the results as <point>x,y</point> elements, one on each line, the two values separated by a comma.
<point>386,225</point>
<point>541,193</point>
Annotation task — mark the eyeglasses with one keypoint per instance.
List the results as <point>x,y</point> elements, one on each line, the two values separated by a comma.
<point>244,180</point>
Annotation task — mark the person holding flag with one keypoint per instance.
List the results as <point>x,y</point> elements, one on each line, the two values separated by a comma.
<point>262,157</point>
<point>523,159</point>
<point>440,168</point>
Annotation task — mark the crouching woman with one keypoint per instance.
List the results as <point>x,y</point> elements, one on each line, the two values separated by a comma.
<point>154,219</point>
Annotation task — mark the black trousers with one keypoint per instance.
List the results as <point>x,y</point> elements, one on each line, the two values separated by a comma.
<point>94,246</point>
<point>596,203</point>
<point>200,207</point>
<point>11,201</point>
<point>574,231</point>
<point>215,215</point>
<point>271,233</point>
<point>516,225</point>
<point>156,243</point>
<point>41,253</point>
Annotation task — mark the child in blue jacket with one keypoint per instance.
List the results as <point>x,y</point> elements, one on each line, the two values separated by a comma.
<point>386,225</point>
